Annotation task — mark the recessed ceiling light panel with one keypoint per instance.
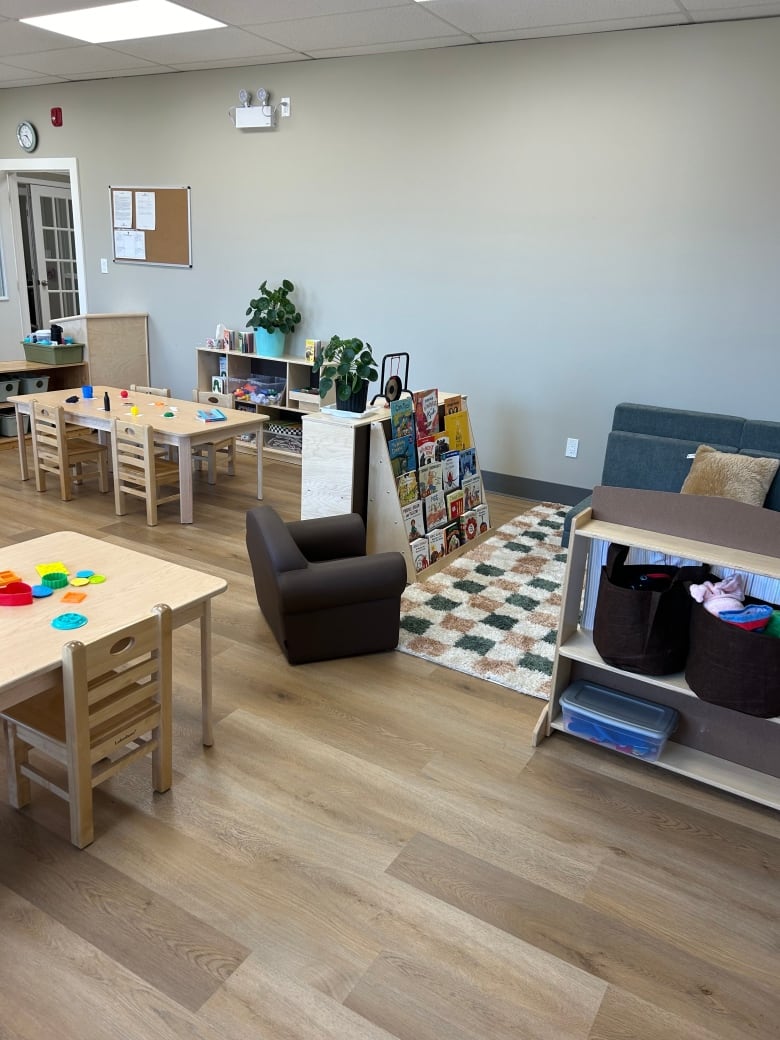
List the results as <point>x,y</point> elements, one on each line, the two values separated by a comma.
<point>133,20</point>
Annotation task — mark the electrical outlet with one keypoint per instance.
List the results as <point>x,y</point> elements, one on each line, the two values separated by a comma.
<point>572,447</point>
<point>284,107</point>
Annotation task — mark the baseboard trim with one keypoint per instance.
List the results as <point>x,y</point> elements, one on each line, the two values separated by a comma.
<point>538,490</point>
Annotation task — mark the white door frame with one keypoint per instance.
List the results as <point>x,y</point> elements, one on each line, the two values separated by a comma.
<point>41,165</point>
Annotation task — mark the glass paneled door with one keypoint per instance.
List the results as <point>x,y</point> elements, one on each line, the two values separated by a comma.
<point>55,253</point>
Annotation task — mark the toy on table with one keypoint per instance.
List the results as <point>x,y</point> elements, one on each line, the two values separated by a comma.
<point>134,410</point>
<point>123,394</point>
<point>15,594</point>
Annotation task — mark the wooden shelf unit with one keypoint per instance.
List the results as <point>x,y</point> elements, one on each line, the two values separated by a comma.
<point>292,404</point>
<point>726,749</point>
<point>61,377</point>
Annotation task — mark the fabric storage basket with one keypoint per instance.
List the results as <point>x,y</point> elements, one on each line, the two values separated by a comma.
<point>732,667</point>
<point>642,625</point>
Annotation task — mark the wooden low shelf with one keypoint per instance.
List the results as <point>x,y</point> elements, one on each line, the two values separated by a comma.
<point>726,749</point>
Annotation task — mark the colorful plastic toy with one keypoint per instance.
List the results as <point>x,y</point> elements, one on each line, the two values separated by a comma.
<point>15,594</point>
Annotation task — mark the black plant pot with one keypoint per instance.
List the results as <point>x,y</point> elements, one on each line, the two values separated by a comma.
<point>355,402</point>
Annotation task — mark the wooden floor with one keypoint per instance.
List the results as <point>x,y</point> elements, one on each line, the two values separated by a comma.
<point>371,851</point>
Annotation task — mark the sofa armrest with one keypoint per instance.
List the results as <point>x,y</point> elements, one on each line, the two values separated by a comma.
<point>570,519</point>
<point>329,537</point>
<point>337,583</point>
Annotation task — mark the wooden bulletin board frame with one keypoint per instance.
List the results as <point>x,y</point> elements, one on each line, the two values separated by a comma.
<point>168,242</point>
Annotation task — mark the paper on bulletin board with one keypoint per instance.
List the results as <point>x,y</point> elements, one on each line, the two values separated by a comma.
<point>123,209</point>
<point>129,245</point>
<point>145,210</point>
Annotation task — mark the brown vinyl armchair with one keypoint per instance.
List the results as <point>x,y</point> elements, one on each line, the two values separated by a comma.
<point>322,596</point>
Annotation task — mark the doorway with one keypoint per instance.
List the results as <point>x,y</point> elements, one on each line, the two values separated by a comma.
<point>48,242</point>
<point>57,259</point>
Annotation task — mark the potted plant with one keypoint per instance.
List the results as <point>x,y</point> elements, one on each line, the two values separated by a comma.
<point>349,365</point>
<point>272,315</point>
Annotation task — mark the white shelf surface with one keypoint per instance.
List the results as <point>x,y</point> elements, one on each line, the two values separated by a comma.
<point>697,765</point>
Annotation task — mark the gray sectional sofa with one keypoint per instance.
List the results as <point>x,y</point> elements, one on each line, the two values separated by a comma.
<point>651,448</point>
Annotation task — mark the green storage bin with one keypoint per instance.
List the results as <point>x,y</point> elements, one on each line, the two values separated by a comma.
<point>58,354</point>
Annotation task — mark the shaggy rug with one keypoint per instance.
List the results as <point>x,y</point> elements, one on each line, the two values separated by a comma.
<point>493,612</point>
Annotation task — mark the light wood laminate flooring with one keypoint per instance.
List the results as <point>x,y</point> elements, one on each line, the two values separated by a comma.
<point>372,851</point>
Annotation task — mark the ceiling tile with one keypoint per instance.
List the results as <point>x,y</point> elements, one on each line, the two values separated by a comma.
<point>387,25</point>
<point>35,8</point>
<point>199,46</point>
<point>387,48</point>
<point>609,25</point>
<point>498,15</point>
<point>250,12</point>
<point>16,38</point>
<point>87,58</point>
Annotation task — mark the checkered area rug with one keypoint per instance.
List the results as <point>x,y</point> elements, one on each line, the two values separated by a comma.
<point>493,612</point>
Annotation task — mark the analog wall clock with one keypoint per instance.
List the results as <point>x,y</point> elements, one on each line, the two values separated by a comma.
<point>27,136</point>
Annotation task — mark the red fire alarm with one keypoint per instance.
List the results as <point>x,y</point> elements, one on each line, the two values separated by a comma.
<point>56,117</point>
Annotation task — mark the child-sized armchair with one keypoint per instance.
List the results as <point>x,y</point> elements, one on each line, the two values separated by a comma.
<point>322,596</point>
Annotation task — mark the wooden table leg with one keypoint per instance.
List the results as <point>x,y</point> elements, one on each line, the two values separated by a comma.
<point>185,481</point>
<point>22,444</point>
<point>205,674</point>
<point>259,443</point>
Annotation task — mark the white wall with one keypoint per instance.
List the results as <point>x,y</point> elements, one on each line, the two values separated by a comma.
<point>552,226</point>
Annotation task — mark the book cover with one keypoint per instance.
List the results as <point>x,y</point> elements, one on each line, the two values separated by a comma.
<point>402,417</point>
<point>211,415</point>
<point>403,458</point>
<point>312,349</point>
<point>451,536</point>
<point>468,464</point>
<point>426,412</point>
<point>472,491</point>
<point>436,544</point>
<point>450,471</point>
<point>412,514</point>
<point>441,446</point>
<point>429,479</point>
<point>455,504</point>
<point>468,527</point>
<point>420,553</point>
<point>454,403</point>
<point>435,510</point>
<point>456,426</point>
<point>483,517</point>
<point>406,485</point>
<point>426,450</point>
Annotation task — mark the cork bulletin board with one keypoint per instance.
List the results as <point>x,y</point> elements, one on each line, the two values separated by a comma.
<point>151,226</point>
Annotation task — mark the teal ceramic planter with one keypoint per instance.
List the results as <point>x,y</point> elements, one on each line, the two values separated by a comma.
<point>269,344</point>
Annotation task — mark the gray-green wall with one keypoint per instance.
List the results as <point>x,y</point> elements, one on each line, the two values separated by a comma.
<point>552,226</point>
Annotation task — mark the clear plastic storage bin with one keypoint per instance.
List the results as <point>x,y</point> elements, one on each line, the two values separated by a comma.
<point>627,724</point>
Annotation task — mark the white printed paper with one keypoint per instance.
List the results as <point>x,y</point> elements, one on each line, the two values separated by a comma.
<point>129,245</point>
<point>123,209</point>
<point>145,215</point>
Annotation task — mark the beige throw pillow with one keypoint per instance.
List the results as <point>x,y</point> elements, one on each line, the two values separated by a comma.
<point>723,475</point>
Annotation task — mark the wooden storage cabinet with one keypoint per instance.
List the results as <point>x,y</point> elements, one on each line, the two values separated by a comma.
<point>283,435</point>
<point>726,749</point>
<point>61,377</point>
<point>116,346</point>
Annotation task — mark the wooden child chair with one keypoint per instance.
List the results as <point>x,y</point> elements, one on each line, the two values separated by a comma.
<point>138,471</point>
<point>62,454</point>
<point>225,446</point>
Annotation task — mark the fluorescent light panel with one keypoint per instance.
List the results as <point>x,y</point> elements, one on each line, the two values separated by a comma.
<point>133,20</point>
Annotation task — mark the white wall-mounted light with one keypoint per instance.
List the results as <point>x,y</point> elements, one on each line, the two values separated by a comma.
<point>255,117</point>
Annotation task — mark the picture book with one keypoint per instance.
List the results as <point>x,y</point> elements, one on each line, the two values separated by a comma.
<point>457,428</point>
<point>435,510</point>
<point>450,471</point>
<point>451,536</point>
<point>402,417</point>
<point>468,464</point>
<point>403,458</point>
<point>429,479</point>
<point>406,485</point>
<point>312,349</point>
<point>455,504</point>
<point>441,445</point>
<point>211,415</point>
<point>412,513</point>
<point>483,517</point>
<point>453,404</point>
<point>468,527</point>
<point>472,491</point>
<point>436,544</point>
<point>420,553</point>
<point>426,451</point>
<point>426,412</point>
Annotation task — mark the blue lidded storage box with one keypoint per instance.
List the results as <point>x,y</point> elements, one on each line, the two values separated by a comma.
<point>627,724</point>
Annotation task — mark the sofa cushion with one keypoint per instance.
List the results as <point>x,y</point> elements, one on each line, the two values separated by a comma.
<point>679,424</point>
<point>654,463</point>
<point>721,475</point>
